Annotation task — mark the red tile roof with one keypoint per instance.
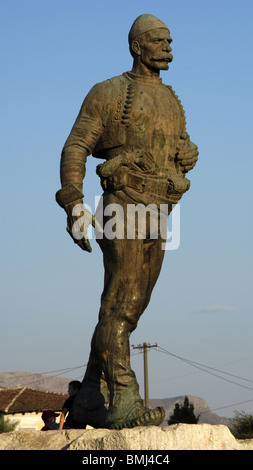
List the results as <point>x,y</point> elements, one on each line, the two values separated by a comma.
<point>27,400</point>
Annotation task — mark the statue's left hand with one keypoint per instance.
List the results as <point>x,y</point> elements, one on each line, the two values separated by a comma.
<point>78,220</point>
<point>187,154</point>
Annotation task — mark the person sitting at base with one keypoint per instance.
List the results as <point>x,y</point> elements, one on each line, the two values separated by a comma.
<point>49,419</point>
<point>74,387</point>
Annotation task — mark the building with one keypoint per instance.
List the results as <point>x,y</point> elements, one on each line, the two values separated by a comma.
<point>26,405</point>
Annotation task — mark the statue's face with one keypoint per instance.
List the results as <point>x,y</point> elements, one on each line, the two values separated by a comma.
<point>155,50</point>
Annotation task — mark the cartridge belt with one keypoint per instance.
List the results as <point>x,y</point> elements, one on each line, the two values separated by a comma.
<point>146,184</point>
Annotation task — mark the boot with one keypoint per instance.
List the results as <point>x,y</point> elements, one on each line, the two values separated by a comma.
<point>127,411</point>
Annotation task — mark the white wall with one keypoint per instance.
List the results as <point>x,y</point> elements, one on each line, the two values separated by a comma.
<point>28,420</point>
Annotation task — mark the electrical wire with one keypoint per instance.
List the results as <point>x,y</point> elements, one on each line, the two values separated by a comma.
<point>218,370</point>
<point>198,366</point>
<point>227,406</point>
<point>50,371</point>
<point>198,372</point>
<point>61,372</point>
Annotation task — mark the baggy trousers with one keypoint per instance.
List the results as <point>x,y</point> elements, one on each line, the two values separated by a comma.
<point>132,267</point>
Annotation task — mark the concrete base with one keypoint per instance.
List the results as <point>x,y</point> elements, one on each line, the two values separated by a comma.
<point>175,437</point>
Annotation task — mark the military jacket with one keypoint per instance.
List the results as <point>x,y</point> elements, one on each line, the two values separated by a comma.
<point>128,113</point>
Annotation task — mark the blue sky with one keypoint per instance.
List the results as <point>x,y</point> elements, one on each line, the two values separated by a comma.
<point>53,52</point>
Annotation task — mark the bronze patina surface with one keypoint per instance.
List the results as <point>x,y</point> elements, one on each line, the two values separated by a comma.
<point>137,125</point>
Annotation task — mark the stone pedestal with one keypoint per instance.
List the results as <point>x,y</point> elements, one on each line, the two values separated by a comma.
<point>176,437</point>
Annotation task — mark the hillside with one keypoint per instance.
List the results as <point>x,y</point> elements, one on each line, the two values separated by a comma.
<point>60,385</point>
<point>38,381</point>
<point>200,407</point>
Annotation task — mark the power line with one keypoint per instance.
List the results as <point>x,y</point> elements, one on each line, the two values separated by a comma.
<point>197,365</point>
<point>227,406</point>
<point>46,378</point>
<point>193,373</point>
<point>223,372</point>
<point>51,371</point>
<point>61,372</point>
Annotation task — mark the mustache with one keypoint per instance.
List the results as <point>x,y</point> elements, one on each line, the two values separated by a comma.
<point>167,57</point>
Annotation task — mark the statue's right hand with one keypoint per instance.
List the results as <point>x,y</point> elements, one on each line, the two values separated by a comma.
<point>78,220</point>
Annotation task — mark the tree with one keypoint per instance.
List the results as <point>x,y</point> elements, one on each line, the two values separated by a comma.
<point>6,425</point>
<point>242,425</point>
<point>184,413</point>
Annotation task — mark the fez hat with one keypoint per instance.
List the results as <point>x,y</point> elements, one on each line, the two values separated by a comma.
<point>143,24</point>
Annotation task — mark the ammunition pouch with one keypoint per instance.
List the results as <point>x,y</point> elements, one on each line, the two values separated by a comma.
<point>117,181</point>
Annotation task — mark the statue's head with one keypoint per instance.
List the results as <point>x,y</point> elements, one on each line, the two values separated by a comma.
<point>149,42</point>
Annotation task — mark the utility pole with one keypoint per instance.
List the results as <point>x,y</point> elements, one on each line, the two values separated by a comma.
<point>145,347</point>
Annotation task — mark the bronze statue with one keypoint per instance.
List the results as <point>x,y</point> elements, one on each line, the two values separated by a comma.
<point>137,125</point>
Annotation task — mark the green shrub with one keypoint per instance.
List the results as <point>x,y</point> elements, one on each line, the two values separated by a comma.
<point>7,425</point>
<point>242,425</point>
<point>183,413</point>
